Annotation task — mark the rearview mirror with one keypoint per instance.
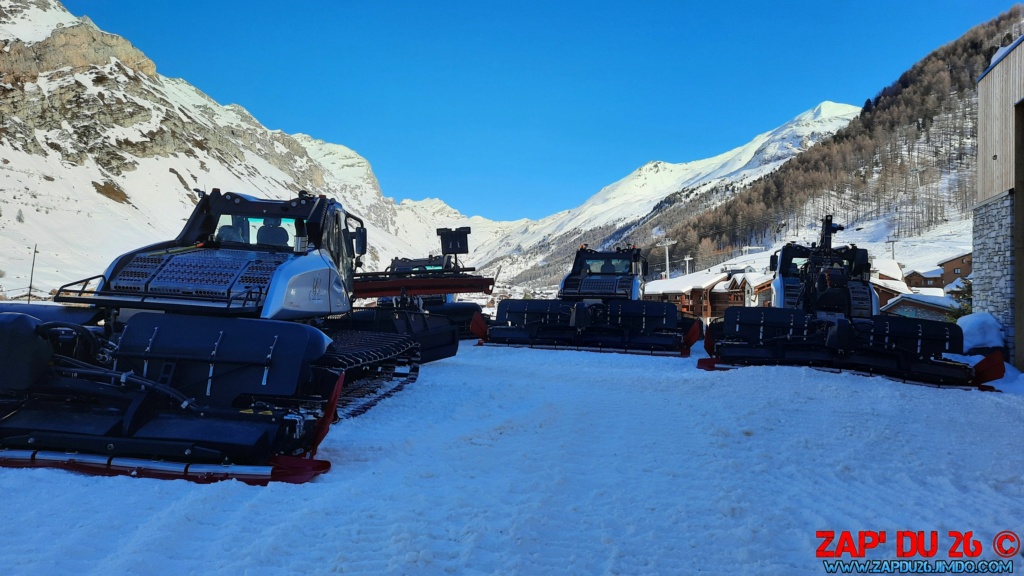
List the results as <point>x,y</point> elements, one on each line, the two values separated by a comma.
<point>773,265</point>
<point>360,241</point>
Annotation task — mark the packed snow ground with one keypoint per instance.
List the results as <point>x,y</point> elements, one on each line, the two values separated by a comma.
<point>518,461</point>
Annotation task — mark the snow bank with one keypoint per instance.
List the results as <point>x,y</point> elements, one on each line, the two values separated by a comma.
<point>981,330</point>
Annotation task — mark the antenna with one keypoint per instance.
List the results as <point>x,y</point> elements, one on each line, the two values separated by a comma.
<point>32,274</point>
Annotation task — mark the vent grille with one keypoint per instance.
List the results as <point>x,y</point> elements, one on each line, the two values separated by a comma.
<point>207,273</point>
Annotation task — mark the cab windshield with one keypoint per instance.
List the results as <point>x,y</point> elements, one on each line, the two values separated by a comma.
<point>607,265</point>
<point>795,266</point>
<point>255,231</point>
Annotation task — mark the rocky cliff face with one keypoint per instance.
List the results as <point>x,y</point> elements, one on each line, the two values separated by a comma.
<point>87,125</point>
<point>70,44</point>
<point>93,95</point>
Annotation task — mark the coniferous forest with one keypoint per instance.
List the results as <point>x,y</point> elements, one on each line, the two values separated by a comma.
<point>910,155</point>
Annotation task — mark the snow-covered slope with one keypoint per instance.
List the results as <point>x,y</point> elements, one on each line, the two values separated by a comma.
<point>900,257</point>
<point>633,197</point>
<point>636,194</point>
<point>32,22</point>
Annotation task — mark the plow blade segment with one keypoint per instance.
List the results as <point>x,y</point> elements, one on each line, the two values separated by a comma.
<point>907,349</point>
<point>693,333</point>
<point>630,326</point>
<point>927,338</point>
<point>478,326</point>
<point>192,397</point>
<point>461,314</point>
<point>374,287</point>
<point>526,322</point>
<point>758,326</point>
<point>991,367</point>
<point>642,317</point>
<point>247,355</point>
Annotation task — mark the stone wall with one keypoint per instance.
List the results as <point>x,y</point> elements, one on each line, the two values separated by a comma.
<point>993,261</point>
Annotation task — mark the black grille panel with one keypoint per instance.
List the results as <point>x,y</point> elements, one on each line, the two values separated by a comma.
<point>135,276</point>
<point>208,273</point>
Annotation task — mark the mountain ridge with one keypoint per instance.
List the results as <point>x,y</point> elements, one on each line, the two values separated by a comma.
<point>632,198</point>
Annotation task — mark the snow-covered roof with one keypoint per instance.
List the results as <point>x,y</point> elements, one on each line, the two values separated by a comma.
<point>684,284</point>
<point>938,302</point>
<point>752,278</point>
<point>888,266</point>
<point>929,291</point>
<point>933,273</point>
<point>898,286</point>
<point>964,255</point>
<point>954,286</point>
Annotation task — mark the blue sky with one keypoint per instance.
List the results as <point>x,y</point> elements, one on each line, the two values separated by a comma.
<point>521,109</point>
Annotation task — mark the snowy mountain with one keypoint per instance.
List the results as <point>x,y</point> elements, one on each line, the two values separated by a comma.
<point>634,197</point>
<point>99,154</point>
<point>639,192</point>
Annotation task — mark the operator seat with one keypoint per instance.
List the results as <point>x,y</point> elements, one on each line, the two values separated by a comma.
<point>272,233</point>
<point>832,292</point>
<point>228,233</point>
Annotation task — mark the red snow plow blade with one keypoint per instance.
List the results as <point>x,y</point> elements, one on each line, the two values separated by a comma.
<point>989,369</point>
<point>380,285</point>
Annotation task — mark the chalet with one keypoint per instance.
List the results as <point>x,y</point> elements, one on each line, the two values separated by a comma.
<point>756,288</point>
<point>920,306</point>
<point>722,297</point>
<point>924,279</point>
<point>998,232</point>
<point>955,267</point>
<point>690,293</point>
<point>730,292</point>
